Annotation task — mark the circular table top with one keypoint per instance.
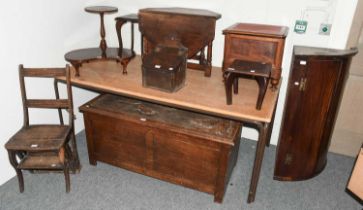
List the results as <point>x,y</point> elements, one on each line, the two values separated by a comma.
<point>101,9</point>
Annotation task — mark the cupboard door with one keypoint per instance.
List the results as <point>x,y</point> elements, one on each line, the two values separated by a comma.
<point>311,90</point>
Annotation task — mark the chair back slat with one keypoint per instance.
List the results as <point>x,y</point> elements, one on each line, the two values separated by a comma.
<point>57,103</point>
<point>47,103</point>
<point>43,72</point>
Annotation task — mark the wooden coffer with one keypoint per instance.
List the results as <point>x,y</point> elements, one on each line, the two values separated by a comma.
<point>182,147</point>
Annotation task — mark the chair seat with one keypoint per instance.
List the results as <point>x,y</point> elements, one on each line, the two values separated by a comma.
<point>39,138</point>
<point>41,162</point>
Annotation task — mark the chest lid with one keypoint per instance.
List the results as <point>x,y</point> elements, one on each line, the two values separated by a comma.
<point>219,129</point>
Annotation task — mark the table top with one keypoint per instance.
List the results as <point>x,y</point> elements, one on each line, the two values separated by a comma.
<point>133,18</point>
<point>89,54</point>
<point>101,9</point>
<point>272,31</point>
<point>200,93</point>
<point>183,11</point>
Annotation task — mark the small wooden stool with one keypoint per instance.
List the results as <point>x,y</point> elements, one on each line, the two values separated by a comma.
<point>241,68</point>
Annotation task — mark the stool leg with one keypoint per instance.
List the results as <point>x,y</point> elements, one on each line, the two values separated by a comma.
<point>229,78</point>
<point>262,83</point>
<point>235,85</point>
<point>19,174</point>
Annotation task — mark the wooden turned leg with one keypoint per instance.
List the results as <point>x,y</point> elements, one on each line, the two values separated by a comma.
<point>228,80</point>
<point>235,86</point>
<point>76,66</point>
<point>19,174</point>
<point>119,24</point>
<point>262,84</point>
<point>124,63</point>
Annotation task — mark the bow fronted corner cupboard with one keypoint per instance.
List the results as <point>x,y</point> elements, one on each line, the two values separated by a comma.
<point>315,87</point>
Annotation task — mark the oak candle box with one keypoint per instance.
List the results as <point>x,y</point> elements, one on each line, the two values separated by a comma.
<point>164,68</point>
<point>182,147</point>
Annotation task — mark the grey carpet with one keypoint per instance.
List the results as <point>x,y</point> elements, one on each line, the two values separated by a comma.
<point>108,187</point>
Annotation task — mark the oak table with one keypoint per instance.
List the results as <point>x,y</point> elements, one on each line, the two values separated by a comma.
<point>200,94</point>
<point>194,28</point>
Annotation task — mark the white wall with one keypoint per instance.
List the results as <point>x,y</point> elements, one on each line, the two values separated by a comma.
<point>38,33</point>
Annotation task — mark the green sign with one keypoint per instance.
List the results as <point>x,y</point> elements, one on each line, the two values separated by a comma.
<point>300,26</point>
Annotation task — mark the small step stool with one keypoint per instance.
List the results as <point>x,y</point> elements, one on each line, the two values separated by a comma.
<point>249,69</point>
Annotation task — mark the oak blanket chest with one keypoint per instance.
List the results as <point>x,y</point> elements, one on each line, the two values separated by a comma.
<point>186,148</point>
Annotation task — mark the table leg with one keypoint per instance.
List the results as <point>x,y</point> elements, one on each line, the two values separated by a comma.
<point>124,63</point>
<point>132,39</point>
<point>262,139</point>
<point>103,44</point>
<point>76,66</point>
<point>119,24</point>
<point>208,69</point>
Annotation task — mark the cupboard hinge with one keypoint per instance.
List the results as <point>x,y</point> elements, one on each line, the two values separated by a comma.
<point>302,86</point>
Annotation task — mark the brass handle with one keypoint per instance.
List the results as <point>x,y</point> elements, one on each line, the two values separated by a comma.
<point>302,86</point>
<point>288,159</point>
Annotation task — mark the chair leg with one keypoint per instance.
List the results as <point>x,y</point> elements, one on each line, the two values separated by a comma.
<point>19,174</point>
<point>76,166</point>
<point>66,176</point>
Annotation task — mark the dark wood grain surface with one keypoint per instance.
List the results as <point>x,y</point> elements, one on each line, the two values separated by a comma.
<point>314,92</point>
<point>256,42</point>
<point>182,147</point>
